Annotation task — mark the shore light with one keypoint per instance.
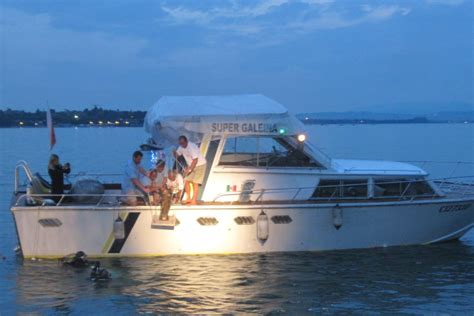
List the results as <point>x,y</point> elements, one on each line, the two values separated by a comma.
<point>76,116</point>
<point>21,123</point>
<point>301,138</point>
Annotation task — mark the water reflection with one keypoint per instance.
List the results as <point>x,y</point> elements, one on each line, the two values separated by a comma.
<point>404,279</point>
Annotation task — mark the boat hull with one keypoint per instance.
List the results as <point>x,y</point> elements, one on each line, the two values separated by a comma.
<point>52,232</point>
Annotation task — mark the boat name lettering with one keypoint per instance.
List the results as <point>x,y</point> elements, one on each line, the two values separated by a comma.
<point>243,128</point>
<point>454,208</point>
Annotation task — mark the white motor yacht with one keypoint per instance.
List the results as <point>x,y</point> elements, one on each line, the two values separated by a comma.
<point>266,189</point>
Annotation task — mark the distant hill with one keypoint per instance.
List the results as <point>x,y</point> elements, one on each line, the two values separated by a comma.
<point>419,108</point>
<point>376,117</point>
<point>433,112</point>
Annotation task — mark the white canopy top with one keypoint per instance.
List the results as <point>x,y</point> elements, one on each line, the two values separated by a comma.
<point>196,116</point>
<point>185,106</point>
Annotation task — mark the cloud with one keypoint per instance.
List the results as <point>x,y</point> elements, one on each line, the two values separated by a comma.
<point>270,18</point>
<point>182,14</point>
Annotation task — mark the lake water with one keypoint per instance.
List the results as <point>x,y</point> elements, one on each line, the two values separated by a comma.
<point>420,279</point>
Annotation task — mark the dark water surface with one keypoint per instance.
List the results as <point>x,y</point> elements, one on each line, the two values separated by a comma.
<point>420,279</point>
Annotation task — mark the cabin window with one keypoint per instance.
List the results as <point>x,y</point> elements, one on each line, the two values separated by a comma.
<point>263,152</point>
<point>382,188</point>
<point>339,189</point>
<point>401,187</point>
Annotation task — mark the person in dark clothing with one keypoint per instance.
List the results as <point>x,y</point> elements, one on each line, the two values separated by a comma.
<point>56,171</point>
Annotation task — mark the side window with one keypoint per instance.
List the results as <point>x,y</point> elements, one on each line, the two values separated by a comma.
<point>263,152</point>
<point>389,187</point>
<point>338,188</point>
<point>383,188</point>
<point>399,187</point>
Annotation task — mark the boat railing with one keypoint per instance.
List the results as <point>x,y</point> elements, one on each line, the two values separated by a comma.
<point>453,186</point>
<point>95,200</point>
<point>21,165</point>
<point>457,187</point>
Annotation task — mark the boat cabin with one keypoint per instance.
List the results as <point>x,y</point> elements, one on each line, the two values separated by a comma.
<point>256,150</point>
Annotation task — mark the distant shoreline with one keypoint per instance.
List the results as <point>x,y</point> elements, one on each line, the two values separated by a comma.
<point>381,122</point>
<point>309,124</point>
<point>99,117</point>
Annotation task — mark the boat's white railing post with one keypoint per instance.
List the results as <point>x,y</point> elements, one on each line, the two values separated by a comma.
<point>17,180</point>
<point>336,188</point>
<point>100,200</point>
<point>262,192</point>
<point>405,191</point>
<point>60,200</point>
<point>370,188</point>
<point>24,165</point>
<point>296,194</point>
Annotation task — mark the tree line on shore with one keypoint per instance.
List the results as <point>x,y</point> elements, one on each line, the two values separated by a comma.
<point>95,116</point>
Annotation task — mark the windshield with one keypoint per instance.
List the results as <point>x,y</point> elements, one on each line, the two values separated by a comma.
<point>265,151</point>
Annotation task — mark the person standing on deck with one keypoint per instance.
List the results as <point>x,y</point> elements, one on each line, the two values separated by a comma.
<point>131,184</point>
<point>56,172</point>
<point>194,173</point>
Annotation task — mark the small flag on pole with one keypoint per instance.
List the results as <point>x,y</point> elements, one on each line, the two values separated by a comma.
<point>49,124</point>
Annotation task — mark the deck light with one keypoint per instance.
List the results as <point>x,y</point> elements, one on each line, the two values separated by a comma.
<point>301,138</point>
<point>282,131</point>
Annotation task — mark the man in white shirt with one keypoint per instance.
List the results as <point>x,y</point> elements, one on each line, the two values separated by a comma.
<point>196,169</point>
<point>132,187</point>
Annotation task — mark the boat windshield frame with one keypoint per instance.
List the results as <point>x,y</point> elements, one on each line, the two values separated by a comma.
<point>288,142</point>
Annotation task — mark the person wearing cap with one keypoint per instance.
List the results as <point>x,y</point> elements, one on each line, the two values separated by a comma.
<point>196,169</point>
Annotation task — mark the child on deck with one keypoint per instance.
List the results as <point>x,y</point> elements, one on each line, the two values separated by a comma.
<point>175,185</point>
